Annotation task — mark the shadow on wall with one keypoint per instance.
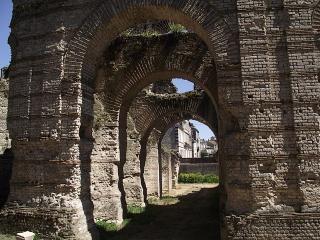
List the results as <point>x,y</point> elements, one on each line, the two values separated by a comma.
<point>6,160</point>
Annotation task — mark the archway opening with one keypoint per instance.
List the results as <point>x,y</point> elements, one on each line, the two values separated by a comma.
<point>149,114</point>
<point>123,74</point>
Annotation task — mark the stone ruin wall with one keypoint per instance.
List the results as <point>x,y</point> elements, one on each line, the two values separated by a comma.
<point>276,170</point>
<point>5,158</point>
<point>151,172</point>
<point>4,134</point>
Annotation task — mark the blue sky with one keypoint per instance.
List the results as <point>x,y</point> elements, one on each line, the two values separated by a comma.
<point>204,131</point>
<point>183,85</point>
<point>5,56</point>
<point>187,86</point>
<point>5,18</point>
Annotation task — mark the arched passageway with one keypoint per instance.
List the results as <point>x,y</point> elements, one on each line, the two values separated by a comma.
<point>70,96</point>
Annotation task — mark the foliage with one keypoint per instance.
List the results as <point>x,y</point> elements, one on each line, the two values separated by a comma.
<point>198,178</point>
<point>7,237</point>
<point>177,28</point>
<point>146,33</point>
<point>12,237</point>
<point>133,209</point>
<point>36,237</point>
<point>111,226</point>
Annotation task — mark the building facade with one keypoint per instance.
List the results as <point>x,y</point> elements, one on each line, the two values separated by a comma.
<point>184,138</point>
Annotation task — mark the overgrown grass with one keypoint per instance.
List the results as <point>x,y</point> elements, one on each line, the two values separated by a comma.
<point>198,178</point>
<point>7,237</point>
<point>177,28</point>
<point>133,209</point>
<point>11,237</point>
<point>111,226</point>
<point>36,237</point>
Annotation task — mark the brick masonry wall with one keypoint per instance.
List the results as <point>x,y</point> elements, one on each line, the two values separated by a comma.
<point>266,88</point>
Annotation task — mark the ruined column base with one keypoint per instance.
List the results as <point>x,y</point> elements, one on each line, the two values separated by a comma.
<point>49,223</point>
<point>134,192</point>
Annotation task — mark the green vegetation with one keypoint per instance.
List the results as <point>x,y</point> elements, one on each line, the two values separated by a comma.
<point>111,226</point>
<point>177,28</point>
<point>36,237</point>
<point>106,226</point>
<point>133,209</point>
<point>147,33</point>
<point>198,178</point>
<point>7,237</point>
<point>11,237</point>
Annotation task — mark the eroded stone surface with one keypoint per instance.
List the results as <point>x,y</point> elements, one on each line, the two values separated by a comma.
<point>257,61</point>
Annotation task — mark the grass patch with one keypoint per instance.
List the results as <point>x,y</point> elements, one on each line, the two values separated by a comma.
<point>198,178</point>
<point>7,237</point>
<point>12,237</point>
<point>133,209</point>
<point>111,226</point>
<point>37,237</point>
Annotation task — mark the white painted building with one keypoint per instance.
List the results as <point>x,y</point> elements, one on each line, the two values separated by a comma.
<point>185,139</point>
<point>208,148</point>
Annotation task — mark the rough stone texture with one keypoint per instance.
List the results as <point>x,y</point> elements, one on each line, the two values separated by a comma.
<point>175,161</point>
<point>259,67</point>
<point>166,170</point>
<point>132,174</point>
<point>4,134</point>
<point>151,169</point>
<point>6,154</point>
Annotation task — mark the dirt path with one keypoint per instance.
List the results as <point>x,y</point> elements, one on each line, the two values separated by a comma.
<point>191,213</point>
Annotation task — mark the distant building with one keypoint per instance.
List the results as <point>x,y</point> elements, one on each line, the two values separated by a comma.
<point>4,73</point>
<point>184,138</point>
<point>208,148</point>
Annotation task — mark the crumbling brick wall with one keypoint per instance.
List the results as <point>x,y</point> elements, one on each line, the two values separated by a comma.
<point>265,85</point>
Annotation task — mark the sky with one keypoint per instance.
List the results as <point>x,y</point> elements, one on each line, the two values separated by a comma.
<point>5,18</point>
<point>183,85</point>
<point>5,56</point>
<point>187,86</point>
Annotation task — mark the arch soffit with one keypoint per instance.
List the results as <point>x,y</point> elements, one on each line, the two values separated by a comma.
<point>114,16</point>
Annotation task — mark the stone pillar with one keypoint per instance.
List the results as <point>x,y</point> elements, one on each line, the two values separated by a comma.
<point>132,180</point>
<point>131,169</point>
<point>49,182</point>
<point>104,173</point>
<point>303,55</point>
<point>151,170</point>
<point>166,172</point>
<point>175,166</point>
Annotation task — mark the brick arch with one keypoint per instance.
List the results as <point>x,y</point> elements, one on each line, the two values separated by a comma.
<point>171,120</point>
<point>191,63</point>
<point>145,111</point>
<point>156,109</point>
<point>112,17</point>
<point>152,140</point>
